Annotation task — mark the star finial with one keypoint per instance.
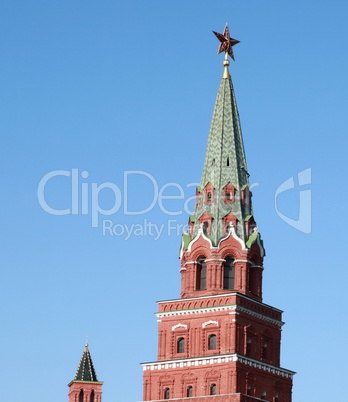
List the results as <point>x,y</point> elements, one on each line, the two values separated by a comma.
<point>226,42</point>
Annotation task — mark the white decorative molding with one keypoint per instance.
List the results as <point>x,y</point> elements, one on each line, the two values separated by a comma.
<point>222,295</point>
<point>210,322</point>
<point>234,309</point>
<point>199,310</point>
<point>179,326</point>
<point>257,315</point>
<point>199,234</point>
<point>214,360</point>
<point>232,232</point>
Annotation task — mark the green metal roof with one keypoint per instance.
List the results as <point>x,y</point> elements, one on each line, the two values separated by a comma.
<point>86,372</point>
<point>224,162</point>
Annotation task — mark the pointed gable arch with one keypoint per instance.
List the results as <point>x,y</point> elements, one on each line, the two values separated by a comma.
<point>208,193</point>
<point>229,193</point>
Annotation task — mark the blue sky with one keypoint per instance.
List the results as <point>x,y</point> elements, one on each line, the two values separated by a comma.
<point>108,87</point>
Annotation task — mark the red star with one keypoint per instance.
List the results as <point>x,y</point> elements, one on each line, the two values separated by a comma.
<point>226,42</point>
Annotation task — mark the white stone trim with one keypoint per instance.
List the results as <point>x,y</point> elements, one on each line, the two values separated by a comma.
<point>199,234</point>
<point>232,232</point>
<point>234,309</point>
<point>222,295</point>
<point>214,360</point>
<point>257,315</point>
<point>199,310</point>
<point>209,323</point>
<point>174,327</point>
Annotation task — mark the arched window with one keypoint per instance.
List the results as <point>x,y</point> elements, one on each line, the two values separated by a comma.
<point>263,396</point>
<point>92,396</point>
<point>81,396</point>
<point>189,391</point>
<point>201,279</point>
<point>248,346</point>
<point>276,398</point>
<point>213,162</point>
<point>166,393</point>
<point>264,350</point>
<point>212,342</point>
<point>208,193</point>
<point>229,273</point>
<point>212,389</point>
<point>180,345</point>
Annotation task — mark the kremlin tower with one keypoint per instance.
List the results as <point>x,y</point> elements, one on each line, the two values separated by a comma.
<point>219,342</point>
<point>85,387</point>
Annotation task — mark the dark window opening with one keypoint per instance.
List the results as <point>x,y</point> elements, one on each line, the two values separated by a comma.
<point>249,391</point>
<point>180,345</point>
<point>213,162</point>
<point>81,396</point>
<point>248,346</point>
<point>166,393</point>
<point>189,391</point>
<point>213,389</point>
<point>205,227</point>
<point>92,396</point>
<point>229,196</point>
<point>228,162</point>
<point>276,398</point>
<point>263,396</point>
<point>209,196</point>
<point>201,273</point>
<point>264,350</point>
<point>212,342</point>
<point>229,273</point>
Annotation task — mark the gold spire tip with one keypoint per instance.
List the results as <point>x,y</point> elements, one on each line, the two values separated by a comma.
<point>226,63</point>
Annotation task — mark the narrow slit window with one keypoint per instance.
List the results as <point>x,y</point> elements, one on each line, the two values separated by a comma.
<point>212,342</point>
<point>201,280</point>
<point>181,345</point>
<point>229,273</point>
<point>166,393</point>
<point>213,389</point>
<point>189,391</point>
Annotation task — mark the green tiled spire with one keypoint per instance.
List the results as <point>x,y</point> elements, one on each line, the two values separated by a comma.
<point>225,163</point>
<point>86,372</point>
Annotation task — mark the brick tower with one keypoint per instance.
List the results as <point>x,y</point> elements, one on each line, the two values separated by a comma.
<point>85,387</point>
<point>219,342</point>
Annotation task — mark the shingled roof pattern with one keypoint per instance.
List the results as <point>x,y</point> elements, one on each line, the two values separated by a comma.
<point>86,370</point>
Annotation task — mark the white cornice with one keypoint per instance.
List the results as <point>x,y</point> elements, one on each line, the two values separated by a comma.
<point>215,360</point>
<point>222,295</point>
<point>233,308</point>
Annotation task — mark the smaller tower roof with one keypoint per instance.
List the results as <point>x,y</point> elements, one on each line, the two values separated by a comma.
<point>86,371</point>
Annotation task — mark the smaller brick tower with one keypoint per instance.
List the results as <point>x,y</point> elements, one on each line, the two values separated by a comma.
<point>85,387</point>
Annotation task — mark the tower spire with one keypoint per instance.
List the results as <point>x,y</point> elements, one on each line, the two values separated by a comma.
<point>85,386</point>
<point>224,196</point>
